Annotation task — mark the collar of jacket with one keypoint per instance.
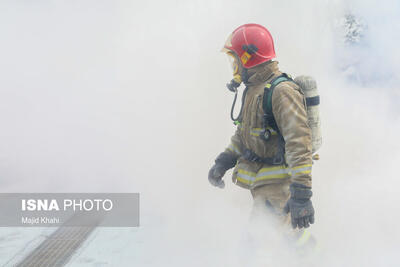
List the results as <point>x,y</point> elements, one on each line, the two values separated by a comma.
<point>262,73</point>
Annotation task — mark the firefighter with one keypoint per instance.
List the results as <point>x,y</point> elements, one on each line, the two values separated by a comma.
<point>271,150</point>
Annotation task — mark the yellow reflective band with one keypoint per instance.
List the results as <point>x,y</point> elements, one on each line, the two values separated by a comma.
<point>254,134</point>
<point>258,131</point>
<point>269,169</point>
<point>273,176</point>
<point>303,238</point>
<point>241,171</point>
<point>273,172</point>
<point>245,57</point>
<point>245,176</point>
<point>244,181</point>
<point>268,85</point>
<point>302,166</point>
<point>279,172</point>
<point>301,172</point>
<point>302,169</point>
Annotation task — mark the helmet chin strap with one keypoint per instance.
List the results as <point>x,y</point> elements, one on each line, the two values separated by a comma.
<point>244,75</point>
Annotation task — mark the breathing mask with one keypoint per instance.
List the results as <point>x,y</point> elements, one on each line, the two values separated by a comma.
<point>237,79</point>
<point>233,85</point>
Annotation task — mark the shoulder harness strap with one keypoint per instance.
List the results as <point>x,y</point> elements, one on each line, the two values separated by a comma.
<point>269,119</point>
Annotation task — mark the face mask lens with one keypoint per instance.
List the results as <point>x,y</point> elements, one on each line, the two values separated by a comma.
<point>233,63</point>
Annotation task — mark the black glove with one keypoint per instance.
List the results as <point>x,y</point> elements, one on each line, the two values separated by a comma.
<point>215,176</point>
<point>300,206</point>
<point>224,162</point>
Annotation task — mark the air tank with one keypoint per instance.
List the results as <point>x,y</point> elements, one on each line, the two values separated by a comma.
<point>309,87</point>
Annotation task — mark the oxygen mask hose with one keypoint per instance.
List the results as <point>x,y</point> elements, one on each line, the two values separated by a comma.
<point>233,87</point>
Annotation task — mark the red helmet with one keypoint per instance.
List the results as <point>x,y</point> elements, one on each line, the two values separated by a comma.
<point>252,43</point>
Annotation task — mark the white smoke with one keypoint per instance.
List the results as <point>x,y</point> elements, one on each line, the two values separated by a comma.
<point>129,96</point>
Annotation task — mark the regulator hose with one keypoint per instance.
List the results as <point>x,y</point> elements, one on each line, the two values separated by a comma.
<point>234,103</point>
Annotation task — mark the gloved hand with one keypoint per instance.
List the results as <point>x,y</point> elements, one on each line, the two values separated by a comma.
<point>224,162</point>
<point>215,175</point>
<point>299,205</point>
